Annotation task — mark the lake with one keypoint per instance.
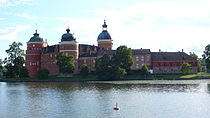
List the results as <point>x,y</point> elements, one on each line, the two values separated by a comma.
<point>137,99</point>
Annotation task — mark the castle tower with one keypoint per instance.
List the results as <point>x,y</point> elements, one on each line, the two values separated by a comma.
<point>104,39</point>
<point>69,46</point>
<point>33,54</point>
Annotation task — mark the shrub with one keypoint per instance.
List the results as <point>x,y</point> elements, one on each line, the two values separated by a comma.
<point>43,73</point>
<point>84,70</point>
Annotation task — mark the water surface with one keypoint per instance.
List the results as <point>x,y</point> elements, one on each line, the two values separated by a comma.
<point>137,99</point>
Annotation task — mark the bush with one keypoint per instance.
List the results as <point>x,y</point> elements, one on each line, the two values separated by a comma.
<point>43,73</point>
<point>24,72</point>
<point>84,71</point>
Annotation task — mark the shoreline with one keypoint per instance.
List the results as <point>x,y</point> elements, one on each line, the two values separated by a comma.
<point>97,80</point>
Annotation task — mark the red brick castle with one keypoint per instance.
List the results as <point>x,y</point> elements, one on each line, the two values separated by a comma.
<point>40,55</point>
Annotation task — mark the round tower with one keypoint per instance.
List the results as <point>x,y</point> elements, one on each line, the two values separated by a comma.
<point>104,39</point>
<point>69,46</point>
<point>33,54</point>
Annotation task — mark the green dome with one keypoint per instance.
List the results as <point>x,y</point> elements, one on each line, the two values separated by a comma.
<point>36,38</point>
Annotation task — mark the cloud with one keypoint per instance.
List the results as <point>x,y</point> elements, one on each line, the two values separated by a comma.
<point>8,3</point>
<point>11,33</point>
<point>26,15</point>
<point>1,19</point>
<point>169,25</point>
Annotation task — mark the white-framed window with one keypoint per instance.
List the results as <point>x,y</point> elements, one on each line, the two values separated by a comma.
<point>50,55</point>
<point>142,58</point>
<point>34,45</point>
<point>67,53</point>
<point>137,58</point>
<point>137,65</point>
<point>30,63</point>
<point>85,61</point>
<point>94,61</point>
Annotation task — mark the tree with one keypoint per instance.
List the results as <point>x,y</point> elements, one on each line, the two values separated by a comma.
<point>123,58</point>
<point>195,57</point>
<point>144,70</point>
<point>84,70</point>
<point>185,68</point>
<point>18,65</point>
<point>14,51</point>
<point>65,63</point>
<point>24,72</point>
<point>118,73</point>
<point>43,73</point>
<point>15,61</point>
<point>206,57</point>
<point>103,67</point>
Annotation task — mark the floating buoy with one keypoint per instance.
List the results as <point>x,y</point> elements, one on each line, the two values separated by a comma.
<point>116,107</point>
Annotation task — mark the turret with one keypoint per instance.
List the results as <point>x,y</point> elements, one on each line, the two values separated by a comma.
<point>69,46</point>
<point>104,39</point>
<point>33,54</point>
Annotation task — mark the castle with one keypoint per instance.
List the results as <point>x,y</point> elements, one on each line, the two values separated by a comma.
<point>40,55</point>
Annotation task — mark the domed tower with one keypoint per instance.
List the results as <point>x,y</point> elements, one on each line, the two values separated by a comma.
<point>104,38</point>
<point>69,46</point>
<point>33,54</point>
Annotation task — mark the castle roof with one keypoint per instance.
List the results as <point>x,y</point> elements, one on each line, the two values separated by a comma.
<point>171,56</point>
<point>104,35</point>
<point>67,36</point>
<point>36,38</point>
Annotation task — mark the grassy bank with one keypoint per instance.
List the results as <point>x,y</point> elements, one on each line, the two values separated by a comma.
<point>128,77</point>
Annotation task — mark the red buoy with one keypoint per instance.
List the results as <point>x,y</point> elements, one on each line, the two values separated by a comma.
<point>116,107</point>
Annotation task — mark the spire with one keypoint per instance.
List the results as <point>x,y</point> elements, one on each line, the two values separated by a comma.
<point>36,34</point>
<point>68,30</point>
<point>104,25</point>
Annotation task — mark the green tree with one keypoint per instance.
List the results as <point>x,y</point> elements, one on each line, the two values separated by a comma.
<point>206,57</point>
<point>43,73</point>
<point>13,52</point>
<point>84,70</point>
<point>123,58</point>
<point>103,67</point>
<point>144,70</point>
<point>117,73</point>
<point>15,61</point>
<point>195,57</point>
<point>185,68</point>
<point>24,72</point>
<point>65,63</point>
<point>18,65</point>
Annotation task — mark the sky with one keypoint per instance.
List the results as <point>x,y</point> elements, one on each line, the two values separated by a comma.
<point>168,25</point>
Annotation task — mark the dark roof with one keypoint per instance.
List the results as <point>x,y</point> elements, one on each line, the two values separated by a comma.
<point>171,56</point>
<point>88,55</point>
<point>104,34</point>
<point>140,51</point>
<point>36,38</point>
<point>50,49</point>
<point>67,36</point>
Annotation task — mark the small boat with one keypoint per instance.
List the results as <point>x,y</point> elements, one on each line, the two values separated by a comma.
<point>116,107</point>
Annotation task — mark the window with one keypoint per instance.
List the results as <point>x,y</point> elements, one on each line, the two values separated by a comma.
<point>137,65</point>
<point>33,45</point>
<point>94,61</point>
<point>84,60</point>
<point>50,55</point>
<point>137,58</point>
<point>67,53</point>
<point>142,58</point>
<point>30,64</point>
